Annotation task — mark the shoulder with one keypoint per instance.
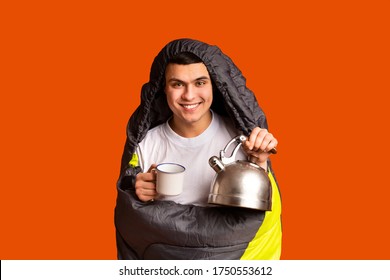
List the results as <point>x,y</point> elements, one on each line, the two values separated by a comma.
<point>227,124</point>
<point>154,134</point>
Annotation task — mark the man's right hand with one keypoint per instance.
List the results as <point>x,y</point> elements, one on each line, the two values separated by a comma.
<point>145,185</point>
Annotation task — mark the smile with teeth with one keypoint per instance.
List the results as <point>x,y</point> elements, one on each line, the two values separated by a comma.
<point>190,106</point>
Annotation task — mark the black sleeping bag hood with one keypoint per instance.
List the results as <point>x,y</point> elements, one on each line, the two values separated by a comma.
<point>167,230</point>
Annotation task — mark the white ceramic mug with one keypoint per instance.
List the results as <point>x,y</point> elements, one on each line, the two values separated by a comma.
<point>170,178</point>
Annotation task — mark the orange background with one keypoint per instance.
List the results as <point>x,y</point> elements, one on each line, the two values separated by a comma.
<point>71,77</point>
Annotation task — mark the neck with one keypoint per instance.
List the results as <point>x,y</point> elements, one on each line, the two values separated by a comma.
<point>190,130</point>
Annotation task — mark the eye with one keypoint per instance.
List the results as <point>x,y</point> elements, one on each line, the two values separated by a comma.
<point>177,84</point>
<point>200,83</point>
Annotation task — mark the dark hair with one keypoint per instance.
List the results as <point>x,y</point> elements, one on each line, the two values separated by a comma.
<point>185,58</point>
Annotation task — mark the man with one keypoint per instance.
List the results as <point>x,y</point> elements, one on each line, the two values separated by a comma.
<point>195,102</point>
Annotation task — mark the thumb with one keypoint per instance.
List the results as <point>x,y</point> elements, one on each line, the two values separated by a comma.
<point>153,166</point>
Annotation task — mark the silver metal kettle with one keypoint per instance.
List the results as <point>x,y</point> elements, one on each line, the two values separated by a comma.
<point>239,183</point>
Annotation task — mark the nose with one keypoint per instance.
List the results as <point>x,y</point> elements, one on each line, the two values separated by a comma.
<point>188,93</point>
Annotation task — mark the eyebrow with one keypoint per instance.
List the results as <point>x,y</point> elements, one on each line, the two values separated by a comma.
<point>197,79</point>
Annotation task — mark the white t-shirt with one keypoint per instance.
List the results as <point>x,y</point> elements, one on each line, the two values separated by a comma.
<point>162,144</point>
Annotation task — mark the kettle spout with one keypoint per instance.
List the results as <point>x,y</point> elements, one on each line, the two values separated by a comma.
<point>216,164</point>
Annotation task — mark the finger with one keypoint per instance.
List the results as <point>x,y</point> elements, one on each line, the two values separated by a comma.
<point>153,166</point>
<point>256,139</point>
<point>252,137</point>
<point>259,156</point>
<point>146,177</point>
<point>271,148</point>
<point>148,186</point>
<point>147,191</point>
<point>266,142</point>
<point>262,155</point>
<point>262,140</point>
<point>145,196</point>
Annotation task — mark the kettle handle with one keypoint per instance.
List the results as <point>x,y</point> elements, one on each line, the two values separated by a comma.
<point>238,140</point>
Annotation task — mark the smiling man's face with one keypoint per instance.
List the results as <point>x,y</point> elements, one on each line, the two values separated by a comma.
<point>189,94</point>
